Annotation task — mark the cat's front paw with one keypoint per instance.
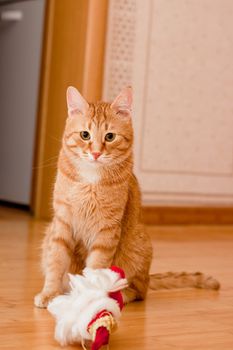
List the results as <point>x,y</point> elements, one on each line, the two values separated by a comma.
<point>42,299</point>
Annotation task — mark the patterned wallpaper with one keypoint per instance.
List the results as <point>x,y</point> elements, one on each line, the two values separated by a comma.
<point>120,46</point>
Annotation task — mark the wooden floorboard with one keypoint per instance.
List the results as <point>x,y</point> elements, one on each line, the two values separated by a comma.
<point>177,319</point>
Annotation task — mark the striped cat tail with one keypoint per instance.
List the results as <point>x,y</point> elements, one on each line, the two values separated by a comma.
<point>173,280</point>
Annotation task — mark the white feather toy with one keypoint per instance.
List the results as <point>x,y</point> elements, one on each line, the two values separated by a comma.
<point>92,308</point>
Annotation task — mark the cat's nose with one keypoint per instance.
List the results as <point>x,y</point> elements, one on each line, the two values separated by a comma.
<point>96,155</point>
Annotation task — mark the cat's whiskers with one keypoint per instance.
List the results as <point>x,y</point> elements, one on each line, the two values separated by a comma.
<point>44,165</point>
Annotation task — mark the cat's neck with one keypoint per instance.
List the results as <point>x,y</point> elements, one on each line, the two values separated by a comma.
<point>89,172</point>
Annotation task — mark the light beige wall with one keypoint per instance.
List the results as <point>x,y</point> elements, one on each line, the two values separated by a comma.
<point>179,57</point>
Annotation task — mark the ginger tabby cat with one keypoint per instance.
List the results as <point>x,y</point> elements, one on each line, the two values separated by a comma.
<point>96,204</point>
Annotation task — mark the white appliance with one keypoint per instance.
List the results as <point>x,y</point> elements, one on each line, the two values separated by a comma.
<point>21,33</point>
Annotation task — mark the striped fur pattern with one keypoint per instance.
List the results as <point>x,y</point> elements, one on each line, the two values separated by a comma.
<point>96,200</point>
<point>170,280</point>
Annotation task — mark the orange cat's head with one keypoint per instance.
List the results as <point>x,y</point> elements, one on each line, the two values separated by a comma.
<point>99,133</point>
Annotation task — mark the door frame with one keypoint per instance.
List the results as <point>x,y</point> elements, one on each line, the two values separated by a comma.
<point>73,54</point>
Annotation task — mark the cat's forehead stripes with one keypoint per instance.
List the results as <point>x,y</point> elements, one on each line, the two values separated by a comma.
<point>98,113</point>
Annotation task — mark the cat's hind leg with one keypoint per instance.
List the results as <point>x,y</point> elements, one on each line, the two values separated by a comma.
<point>137,289</point>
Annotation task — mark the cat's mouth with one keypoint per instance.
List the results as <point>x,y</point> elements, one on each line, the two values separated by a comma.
<point>91,160</point>
<point>100,160</point>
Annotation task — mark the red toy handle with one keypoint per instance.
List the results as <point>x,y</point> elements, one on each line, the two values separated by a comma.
<point>101,334</point>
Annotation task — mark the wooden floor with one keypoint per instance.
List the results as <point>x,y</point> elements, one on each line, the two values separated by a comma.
<point>181,319</point>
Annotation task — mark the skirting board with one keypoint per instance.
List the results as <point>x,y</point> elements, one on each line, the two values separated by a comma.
<point>187,215</point>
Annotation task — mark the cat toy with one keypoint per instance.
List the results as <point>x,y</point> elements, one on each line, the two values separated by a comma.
<point>92,308</point>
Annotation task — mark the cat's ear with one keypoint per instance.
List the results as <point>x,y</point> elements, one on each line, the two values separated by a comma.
<point>75,102</point>
<point>123,103</point>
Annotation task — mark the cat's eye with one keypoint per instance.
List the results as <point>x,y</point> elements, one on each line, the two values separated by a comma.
<point>85,135</point>
<point>110,136</point>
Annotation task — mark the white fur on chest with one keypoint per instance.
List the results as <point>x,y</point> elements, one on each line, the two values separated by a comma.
<point>89,173</point>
